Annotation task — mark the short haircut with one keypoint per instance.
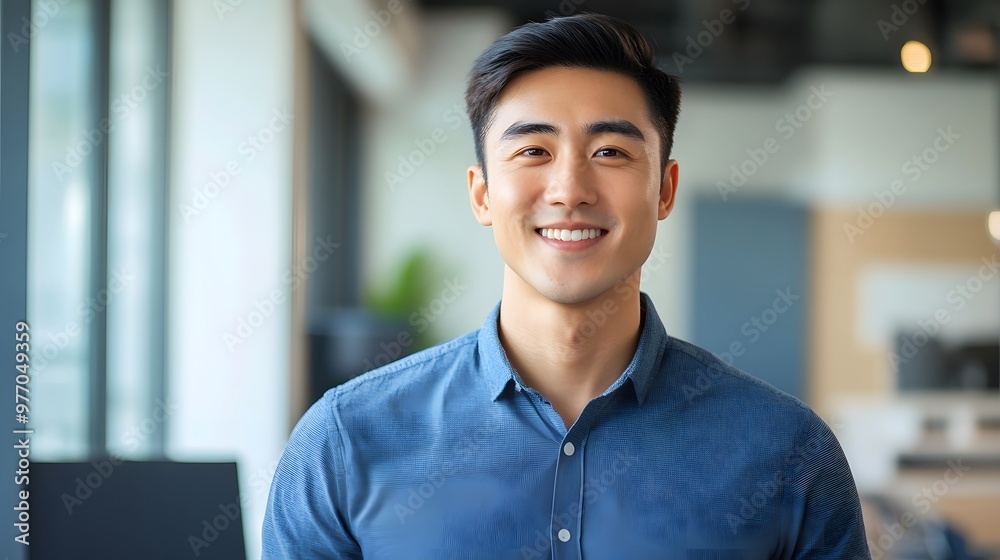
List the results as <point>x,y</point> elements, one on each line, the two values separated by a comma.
<point>591,41</point>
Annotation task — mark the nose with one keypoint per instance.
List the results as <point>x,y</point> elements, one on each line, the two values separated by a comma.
<point>570,182</point>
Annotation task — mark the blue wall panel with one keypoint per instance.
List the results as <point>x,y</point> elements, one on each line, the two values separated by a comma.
<point>750,286</point>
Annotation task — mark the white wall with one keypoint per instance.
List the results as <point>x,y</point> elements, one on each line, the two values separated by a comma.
<point>881,120</point>
<point>718,124</point>
<point>231,72</point>
<point>431,207</point>
<point>853,144</point>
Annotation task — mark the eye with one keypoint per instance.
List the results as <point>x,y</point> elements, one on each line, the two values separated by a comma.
<point>608,152</point>
<point>533,152</point>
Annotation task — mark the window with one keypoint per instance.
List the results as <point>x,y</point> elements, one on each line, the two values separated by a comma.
<point>98,98</point>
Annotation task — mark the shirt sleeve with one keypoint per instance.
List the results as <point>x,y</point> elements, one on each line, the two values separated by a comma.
<point>306,514</point>
<point>822,511</point>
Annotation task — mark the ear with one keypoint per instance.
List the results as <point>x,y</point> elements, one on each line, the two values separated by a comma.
<point>668,189</point>
<point>479,197</point>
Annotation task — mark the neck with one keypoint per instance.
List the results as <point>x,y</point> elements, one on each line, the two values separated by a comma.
<point>570,353</point>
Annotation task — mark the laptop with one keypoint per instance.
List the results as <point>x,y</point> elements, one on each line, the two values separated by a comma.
<point>113,509</point>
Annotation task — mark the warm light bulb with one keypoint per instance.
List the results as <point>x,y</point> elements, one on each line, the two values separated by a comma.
<point>994,224</point>
<point>916,57</point>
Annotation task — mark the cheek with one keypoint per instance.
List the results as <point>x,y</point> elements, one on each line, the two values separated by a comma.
<point>507,220</point>
<point>644,210</point>
<point>509,206</point>
<point>641,219</point>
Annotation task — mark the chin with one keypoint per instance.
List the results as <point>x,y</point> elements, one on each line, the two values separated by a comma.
<point>572,294</point>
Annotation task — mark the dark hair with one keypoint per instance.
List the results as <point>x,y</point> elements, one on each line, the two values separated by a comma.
<point>592,41</point>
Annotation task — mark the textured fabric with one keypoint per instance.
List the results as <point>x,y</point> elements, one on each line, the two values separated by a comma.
<point>447,454</point>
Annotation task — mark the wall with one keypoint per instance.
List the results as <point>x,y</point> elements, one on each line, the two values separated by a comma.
<point>750,286</point>
<point>880,121</point>
<point>842,134</point>
<point>232,73</point>
<point>842,363</point>
<point>428,205</point>
<point>842,157</point>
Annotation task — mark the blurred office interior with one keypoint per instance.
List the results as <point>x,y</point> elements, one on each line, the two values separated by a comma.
<point>234,205</point>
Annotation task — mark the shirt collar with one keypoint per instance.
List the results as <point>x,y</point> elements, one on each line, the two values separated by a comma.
<point>497,371</point>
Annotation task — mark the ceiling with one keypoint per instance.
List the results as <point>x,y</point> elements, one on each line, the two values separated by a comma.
<point>765,40</point>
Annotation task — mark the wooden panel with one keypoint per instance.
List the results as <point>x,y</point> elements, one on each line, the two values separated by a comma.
<point>838,365</point>
<point>977,518</point>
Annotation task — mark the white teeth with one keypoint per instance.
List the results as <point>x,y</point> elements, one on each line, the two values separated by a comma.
<point>571,235</point>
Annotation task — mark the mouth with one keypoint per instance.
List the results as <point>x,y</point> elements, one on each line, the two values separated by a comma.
<point>571,235</point>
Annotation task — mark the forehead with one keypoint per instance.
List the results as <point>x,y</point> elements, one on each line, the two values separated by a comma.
<point>571,96</point>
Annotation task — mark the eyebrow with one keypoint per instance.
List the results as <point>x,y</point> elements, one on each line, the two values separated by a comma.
<point>623,127</point>
<point>521,128</point>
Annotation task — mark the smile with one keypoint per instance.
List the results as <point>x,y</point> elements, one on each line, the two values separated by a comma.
<point>570,234</point>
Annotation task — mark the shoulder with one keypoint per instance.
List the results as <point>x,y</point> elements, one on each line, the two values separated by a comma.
<point>765,421</point>
<point>385,399</point>
<point>702,375</point>
<point>706,391</point>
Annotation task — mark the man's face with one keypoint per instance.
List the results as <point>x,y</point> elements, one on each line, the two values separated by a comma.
<point>573,150</point>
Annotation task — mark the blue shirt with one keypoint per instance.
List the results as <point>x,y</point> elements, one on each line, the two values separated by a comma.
<point>447,454</point>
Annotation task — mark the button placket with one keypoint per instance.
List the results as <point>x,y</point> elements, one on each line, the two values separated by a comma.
<point>567,504</point>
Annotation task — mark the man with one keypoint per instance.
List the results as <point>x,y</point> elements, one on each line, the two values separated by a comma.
<point>567,426</point>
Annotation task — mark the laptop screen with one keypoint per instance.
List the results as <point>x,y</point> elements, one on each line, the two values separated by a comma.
<point>112,509</point>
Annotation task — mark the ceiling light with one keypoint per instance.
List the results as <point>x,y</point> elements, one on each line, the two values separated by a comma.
<point>994,224</point>
<point>915,56</point>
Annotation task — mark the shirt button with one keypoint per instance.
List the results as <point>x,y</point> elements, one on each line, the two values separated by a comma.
<point>569,449</point>
<point>563,535</point>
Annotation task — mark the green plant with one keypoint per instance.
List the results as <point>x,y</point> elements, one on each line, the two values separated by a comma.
<point>409,289</point>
